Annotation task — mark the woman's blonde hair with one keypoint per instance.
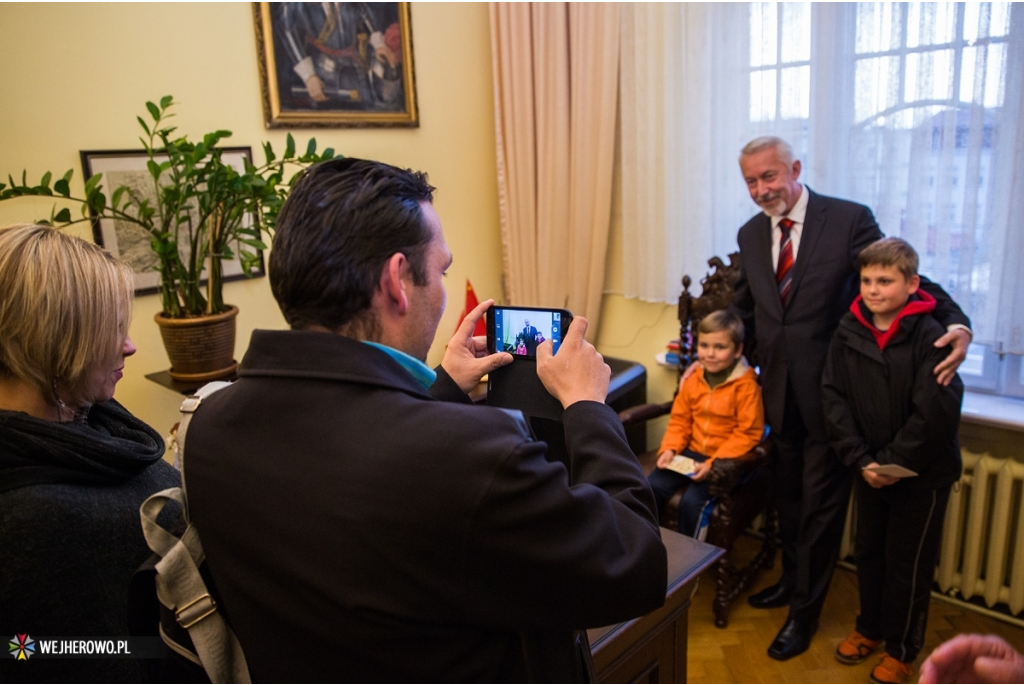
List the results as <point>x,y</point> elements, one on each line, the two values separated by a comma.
<point>65,306</point>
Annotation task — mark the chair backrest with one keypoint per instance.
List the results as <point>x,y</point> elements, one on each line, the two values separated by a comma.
<point>717,288</point>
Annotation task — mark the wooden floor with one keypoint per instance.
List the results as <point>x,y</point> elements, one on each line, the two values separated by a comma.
<point>737,654</point>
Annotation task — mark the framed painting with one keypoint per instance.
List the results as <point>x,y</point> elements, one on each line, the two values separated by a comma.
<point>131,242</point>
<point>336,64</point>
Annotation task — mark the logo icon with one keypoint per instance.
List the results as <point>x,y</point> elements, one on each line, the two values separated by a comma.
<point>22,647</point>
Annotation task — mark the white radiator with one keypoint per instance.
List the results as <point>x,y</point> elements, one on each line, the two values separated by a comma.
<point>982,551</point>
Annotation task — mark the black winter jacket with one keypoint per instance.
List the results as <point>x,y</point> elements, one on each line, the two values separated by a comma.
<point>70,537</point>
<point>886,405</point>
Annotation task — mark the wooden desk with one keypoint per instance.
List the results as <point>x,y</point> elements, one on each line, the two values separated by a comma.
<point>652,649</point>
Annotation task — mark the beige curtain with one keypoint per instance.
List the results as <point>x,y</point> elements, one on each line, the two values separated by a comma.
<point>555,93</point>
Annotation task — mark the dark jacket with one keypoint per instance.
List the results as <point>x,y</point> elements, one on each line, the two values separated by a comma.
<point>792,342</point>
<point>70,535</point>
<point>885,405</point>
<point>387,536</point>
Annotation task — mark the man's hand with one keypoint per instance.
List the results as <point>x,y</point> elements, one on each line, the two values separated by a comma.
<point>316,88</point>
<point>665,458</point>
<point>959,339</point>
<point>689,372</point>
<point>973,659</point>
<point>877,480</point>
<point>466,359</point>
<point>577,372</point>
<point>701,472</point>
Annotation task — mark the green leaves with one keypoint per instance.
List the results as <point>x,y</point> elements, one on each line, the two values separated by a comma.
<point>196,208</point>
<point>92,183</point>
<point>115,199</point>
<point>63,185</point>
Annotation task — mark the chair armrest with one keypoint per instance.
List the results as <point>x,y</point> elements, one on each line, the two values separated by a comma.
<point>725,473</point>
<point>643,412</point>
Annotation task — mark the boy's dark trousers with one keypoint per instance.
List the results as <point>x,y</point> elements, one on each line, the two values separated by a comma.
<point>899,530</point>
<point>665,483</point>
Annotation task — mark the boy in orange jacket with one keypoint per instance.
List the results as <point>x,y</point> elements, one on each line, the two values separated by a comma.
<point>717,414</point>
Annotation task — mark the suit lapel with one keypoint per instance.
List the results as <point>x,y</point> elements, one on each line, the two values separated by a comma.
<point>814,225</point>
<point>764,273</point>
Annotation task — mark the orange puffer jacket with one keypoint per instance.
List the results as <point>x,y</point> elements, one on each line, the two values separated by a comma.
<point>726,422</point>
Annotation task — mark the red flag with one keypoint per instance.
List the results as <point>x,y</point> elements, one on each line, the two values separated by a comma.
<point>471,303</point>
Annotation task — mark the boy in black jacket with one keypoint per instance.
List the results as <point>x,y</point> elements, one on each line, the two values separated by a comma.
<point>884,407</point>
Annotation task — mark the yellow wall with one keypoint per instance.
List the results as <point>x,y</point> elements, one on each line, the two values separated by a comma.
<point>74,77</point>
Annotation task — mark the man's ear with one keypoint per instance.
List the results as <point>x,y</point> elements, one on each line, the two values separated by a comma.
<point>796,169</point>
<point>391,283</point>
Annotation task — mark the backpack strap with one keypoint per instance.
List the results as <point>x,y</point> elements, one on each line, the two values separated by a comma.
<point>188,408</point>
<point>179,584</point>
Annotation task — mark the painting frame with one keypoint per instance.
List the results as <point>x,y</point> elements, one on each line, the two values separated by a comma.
<point>106,234</point>
<point>359,102</point>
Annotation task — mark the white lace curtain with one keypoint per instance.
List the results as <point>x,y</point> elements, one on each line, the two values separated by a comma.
<point>916,110</point>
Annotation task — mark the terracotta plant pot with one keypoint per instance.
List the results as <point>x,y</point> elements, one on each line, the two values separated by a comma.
<point>201,348</point>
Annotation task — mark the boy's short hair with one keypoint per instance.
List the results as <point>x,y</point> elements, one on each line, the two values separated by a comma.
<point>890,252</point>
<point>722,320</point>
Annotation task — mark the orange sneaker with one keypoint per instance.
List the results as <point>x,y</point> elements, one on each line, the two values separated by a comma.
<point>890,670</point>
<point>855,648</point>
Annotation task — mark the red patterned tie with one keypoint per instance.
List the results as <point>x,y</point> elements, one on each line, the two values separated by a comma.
<point>783,274</point>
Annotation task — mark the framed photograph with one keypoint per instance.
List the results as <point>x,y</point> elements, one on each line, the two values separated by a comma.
<point>336,64</point>
<point>131,242</point>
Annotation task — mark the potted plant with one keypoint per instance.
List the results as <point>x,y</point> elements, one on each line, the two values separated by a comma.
<point>200,211</point>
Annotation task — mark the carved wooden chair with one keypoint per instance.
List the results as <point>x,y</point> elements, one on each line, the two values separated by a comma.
<point>738,501</point>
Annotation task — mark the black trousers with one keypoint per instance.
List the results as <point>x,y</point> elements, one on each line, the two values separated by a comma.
<point>899,531</point>
<point>812,492</point>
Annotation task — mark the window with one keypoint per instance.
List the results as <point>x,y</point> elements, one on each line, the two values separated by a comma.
<point>915,110</point>
<point>780,61</point>
<point>921,123</point>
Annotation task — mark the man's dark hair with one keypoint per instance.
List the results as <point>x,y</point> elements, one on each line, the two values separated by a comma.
<point>341,222</point>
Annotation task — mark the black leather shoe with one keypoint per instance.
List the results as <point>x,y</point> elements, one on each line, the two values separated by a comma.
<point>793,639</point>
<point>777,595</point>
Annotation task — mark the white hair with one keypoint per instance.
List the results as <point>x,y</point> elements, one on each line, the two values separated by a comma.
<point>764,142</point>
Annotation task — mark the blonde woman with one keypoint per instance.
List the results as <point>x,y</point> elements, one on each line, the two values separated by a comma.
<point>74,464</point>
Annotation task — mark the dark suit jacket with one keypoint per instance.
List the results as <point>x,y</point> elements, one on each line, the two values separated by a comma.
<point>792,343</point>
<point>529,334</point>
<point>359,530</point>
